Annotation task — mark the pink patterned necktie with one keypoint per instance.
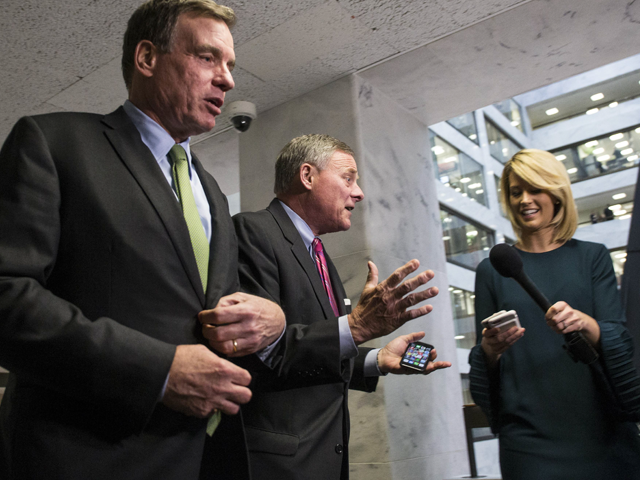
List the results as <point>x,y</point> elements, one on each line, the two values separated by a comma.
<point>321,263</point>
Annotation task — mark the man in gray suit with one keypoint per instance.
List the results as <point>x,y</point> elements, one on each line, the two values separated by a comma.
<point>113,238</point>
<point>297,424</point>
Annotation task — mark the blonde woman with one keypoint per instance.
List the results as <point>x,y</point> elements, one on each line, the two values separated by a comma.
<point>554,421</point>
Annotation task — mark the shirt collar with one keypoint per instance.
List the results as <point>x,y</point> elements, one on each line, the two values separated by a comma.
<point>156,138</point>
<point>303,229</point>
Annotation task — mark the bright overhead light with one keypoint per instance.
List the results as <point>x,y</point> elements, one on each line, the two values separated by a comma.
<point>438,150</point>
<point>472,296</point>
<point>603,158</point>
<point>613,104</point>
<point>478,192</point>
<point>622,144</point>
<point>515,123</point>
<point>619,212</point>
<point>632,158</point>
<point>465,180</point>
<point>446,238</point>
<point>619,196</point>
<point>621,255</point>
<point>615,207</point>
<point>459,337</point>
<point>624,217</point>
<point>505,151</point>
<point>552,111</point>
<point>638,130</point>
<point>475,185</point>
<point>451,289</point>
<point>457,291</point>
<point>472,233</point>
<point>627,151</point>
<point>473,136</point>
<point>561,157</point>
<point>465,194</point>
<point>592,111</point>
<point>458,189</point>
<point>622,260</point>
<point>592,143</point>
<point>616,136</point>
<point>597,96</point>
<point>572,170</point>
<point>598,151</point>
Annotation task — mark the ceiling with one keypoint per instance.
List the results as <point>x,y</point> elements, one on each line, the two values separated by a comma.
<point>66,55</point>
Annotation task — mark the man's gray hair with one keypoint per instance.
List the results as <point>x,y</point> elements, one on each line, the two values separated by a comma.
<point>314,149</point>
<point>155,20</point>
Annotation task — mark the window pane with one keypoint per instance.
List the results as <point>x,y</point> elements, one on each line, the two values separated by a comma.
<point>465,243</point>
<point>457,170</point>
<point>464,314</point>
<point>510,109</point>
<point>609,153</point>
<point>466,125</point>
<point>502,148</point>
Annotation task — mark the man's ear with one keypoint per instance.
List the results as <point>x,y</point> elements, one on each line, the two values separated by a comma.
<point>145,58</point>
<point>307,175</point>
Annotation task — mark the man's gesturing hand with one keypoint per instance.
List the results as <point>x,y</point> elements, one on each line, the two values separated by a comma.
<point>383,306</point>
<point>252,322</point>
<point>200,382</point>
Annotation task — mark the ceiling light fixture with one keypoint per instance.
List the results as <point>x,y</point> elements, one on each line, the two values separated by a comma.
<point>616,136</point>
<point>613,104</point>
<point>597,96</point>
<point>592,111</point>
<point>627,151</point>
<point>619,196</point>
<point>592,143</point>
<point>561,157</point>
<point>622,144</point>
<point>552,111</point>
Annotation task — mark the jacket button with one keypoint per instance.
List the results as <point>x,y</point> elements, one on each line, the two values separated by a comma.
<point>338,449</point>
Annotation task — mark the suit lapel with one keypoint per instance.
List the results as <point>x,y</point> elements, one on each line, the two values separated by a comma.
<point>302,255</point>
<point>125,139</point>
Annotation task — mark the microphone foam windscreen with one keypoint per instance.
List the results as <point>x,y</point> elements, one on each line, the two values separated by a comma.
<point>506,260</point>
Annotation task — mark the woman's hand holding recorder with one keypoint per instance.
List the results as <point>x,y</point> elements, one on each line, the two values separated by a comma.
<point>501,330</point>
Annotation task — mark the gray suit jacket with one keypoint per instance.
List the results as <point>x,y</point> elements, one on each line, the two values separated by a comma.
<point>297,423</point>
<point>98,284</point>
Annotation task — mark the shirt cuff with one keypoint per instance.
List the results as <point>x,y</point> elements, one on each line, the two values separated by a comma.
<point>371,367</point>
<point>348,348</point>
<point>266,353</point>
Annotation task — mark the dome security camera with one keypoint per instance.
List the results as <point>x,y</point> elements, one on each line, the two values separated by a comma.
<point>241,114</point>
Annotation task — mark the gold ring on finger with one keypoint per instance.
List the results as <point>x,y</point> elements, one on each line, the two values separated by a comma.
<point>235,346</point>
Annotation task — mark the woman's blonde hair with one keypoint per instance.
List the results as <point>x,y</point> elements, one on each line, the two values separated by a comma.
<point>542,170</point>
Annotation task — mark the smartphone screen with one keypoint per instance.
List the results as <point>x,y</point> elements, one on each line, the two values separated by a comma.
<point>416,355</point>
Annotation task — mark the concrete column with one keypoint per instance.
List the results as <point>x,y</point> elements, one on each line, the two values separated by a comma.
<point>411,426</point>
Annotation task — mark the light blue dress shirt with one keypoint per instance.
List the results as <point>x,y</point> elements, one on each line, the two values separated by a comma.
<point>348,348</point>
<point>158,140</point>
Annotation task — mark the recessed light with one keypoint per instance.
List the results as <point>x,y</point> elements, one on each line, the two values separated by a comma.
<point>621,255</point>
<point>603,158</point>
<point>616,136</point>
<point>438,150</point>
<point>592,143</point>
<point>624,217</point>
<point>572,171</point>
<point>451,289</point>
<point>619,196</point>
<point>465,180</point>
<point>598,151</point>
<point>459,337</point>
<point>472,233</point>
<point>552,111</point>
<point>622,260</point>
<point>592,111</point>
<point>619,212</point>
<point>632,158</point>
<point>515,123</point>
<point>561,157</point>
<point>622,144</point>
<point>638,130</point>
<point>478,192</point>
<point>597,96</point>
<point>457,291</point>
<point>613,104</point>
<point>446,238</point>
<point>615,207</point>
<point>627,151</point>
<point>475,185</point>
<point>473,136</point>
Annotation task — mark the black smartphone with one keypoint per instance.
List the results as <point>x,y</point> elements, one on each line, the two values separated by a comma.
<point>416,356</point>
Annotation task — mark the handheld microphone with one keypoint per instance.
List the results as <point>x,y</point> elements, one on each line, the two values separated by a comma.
<point>508,263</point>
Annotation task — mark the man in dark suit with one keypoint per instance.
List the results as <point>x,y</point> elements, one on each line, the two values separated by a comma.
<point>112,239</point>
<point>297,424</point>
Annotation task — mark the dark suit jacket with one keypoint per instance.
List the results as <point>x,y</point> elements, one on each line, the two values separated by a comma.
<point>98,284</point>
<point>297,423</point>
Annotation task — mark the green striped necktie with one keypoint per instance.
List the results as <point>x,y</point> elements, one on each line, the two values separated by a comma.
<point>199,242</point>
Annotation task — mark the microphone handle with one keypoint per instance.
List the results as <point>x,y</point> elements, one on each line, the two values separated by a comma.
<point>576,345</point>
